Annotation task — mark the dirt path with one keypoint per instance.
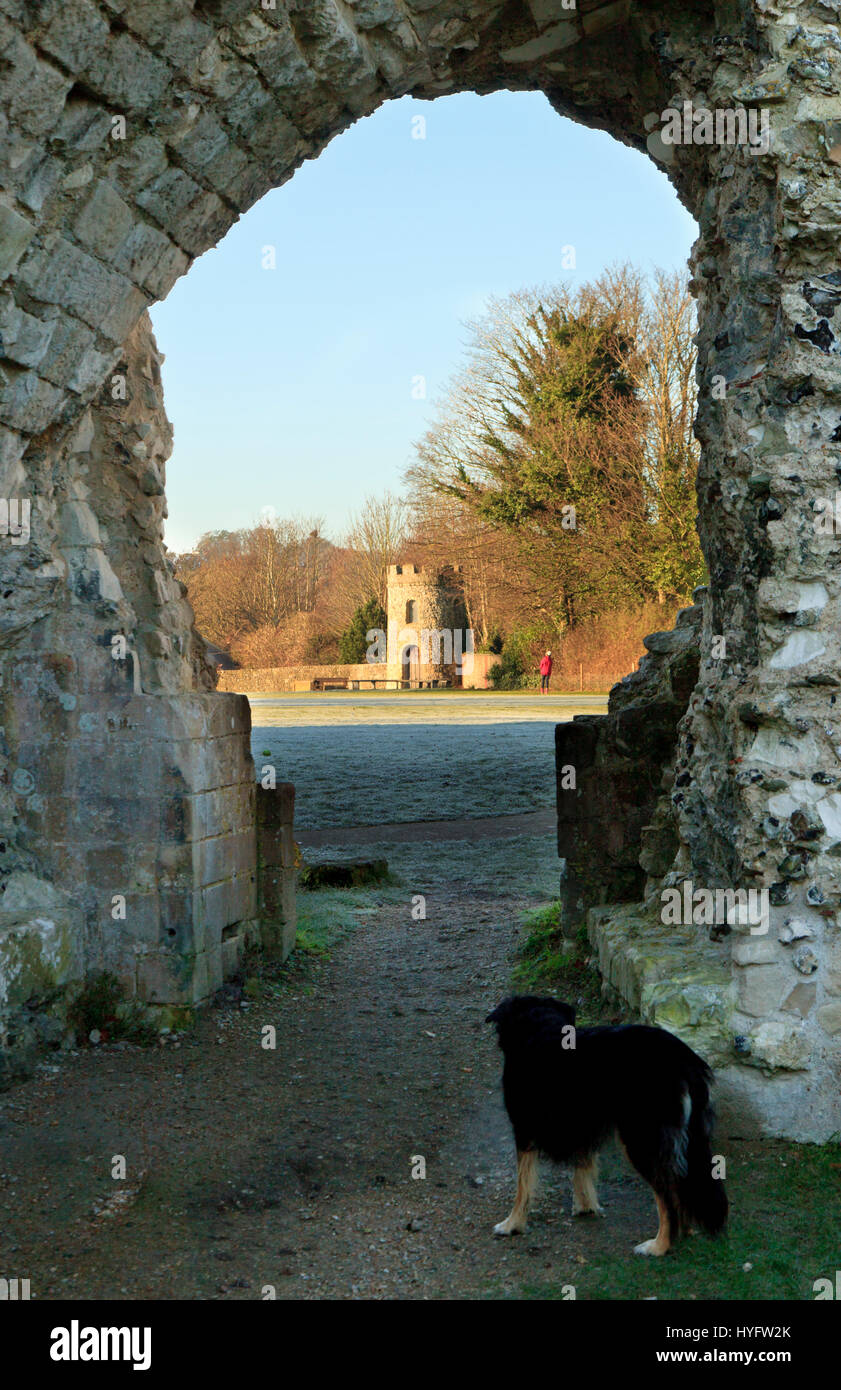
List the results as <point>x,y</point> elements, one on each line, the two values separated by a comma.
<point>413,832</point>
<point>249,1167</point>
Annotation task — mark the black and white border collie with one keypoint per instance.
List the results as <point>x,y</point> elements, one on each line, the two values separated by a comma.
<point>568,1089</point>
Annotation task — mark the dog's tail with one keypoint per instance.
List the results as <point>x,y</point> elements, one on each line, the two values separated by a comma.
<point>700,1190</point>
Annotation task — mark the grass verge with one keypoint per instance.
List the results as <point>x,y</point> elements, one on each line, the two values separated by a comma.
<point>785,1216</point>
<point>550,963</point>
<point>325,918</point>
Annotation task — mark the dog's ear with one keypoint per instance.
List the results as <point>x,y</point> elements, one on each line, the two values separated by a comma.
<point>501,1012</point>
<point>549,1004</point>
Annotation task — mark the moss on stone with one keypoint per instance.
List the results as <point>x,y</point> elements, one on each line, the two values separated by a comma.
<point>671,977</point>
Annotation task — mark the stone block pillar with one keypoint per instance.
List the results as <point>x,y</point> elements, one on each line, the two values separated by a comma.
<point>147,821</point>
<point>613,772</point>
<point>277,868</point>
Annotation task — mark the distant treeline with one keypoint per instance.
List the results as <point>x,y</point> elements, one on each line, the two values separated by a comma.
<point>559,472</point>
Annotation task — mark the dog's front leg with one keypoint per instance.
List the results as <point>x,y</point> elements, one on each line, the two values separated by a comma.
<point>526,1182</point>
<point>585,1198</point>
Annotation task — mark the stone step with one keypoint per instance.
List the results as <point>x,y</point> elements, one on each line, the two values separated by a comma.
<point>670,976</point>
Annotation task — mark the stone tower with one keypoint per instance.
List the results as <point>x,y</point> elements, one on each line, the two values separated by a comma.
<point>426,614</point>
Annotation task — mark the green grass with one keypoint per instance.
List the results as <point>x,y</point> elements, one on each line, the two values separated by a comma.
<point>324,920</point>
<point>785,1222</point>
<point>549,963</point>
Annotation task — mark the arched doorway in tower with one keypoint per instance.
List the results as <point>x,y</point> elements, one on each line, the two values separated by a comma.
<point>411,667</point>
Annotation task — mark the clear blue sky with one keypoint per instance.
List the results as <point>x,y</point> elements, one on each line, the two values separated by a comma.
<point>292,388</point>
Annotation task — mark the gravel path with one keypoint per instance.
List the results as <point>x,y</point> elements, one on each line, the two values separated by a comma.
<point>414,832</point>
<point>292,1168</point>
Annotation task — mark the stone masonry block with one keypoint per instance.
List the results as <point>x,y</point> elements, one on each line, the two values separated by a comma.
<point>126,867</point>
<point>155,20</point>
<point>39,91</point>
<point>69,341</point>
<point>206,974</point>
<point>161,979</point>
<point>760,989</point>
<point>76,33</point>
<point>276,875</point>
<point>278,910</point>
<point>225,855</point>
<point>142,921</point>
<point>123,768</point>
<point>60,273</point>
<point>227,714</point>
<point>270,900</point>
<point>755,950</point>
<point>829,1018</point>
<point>185,210</point>
<point>224,810</point>
<point>176,865</point>
<point>150,259</point>
<point>28,402</point>
<point>104,222</point>
<point>15,235</point>
<point>232,954</point>
<point>179,929</point>
<point>127,75</point>
<point>178,819</point>
<point>232,900</point>
<point>226,755</point>
<point>275,822</point>
<point>25,338</point>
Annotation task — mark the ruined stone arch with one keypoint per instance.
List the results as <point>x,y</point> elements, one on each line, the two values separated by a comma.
<point>134,133</point>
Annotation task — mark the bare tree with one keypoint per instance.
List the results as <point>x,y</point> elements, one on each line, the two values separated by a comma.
<point>376,538</point>
<point>257,578</point>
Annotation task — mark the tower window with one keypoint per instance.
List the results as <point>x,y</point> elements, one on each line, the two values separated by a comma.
<point>412,611</point>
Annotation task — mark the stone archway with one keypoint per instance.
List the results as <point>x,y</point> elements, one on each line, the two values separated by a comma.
<point>134,134</point>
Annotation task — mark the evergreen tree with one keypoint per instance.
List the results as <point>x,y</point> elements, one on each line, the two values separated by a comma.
<point>353,643</point>
<point>569,433</point>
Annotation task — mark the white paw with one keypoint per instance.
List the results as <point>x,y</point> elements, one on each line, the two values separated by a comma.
<point>587,1211</point>
<point>509,1227</point>
<point>648,1247</point>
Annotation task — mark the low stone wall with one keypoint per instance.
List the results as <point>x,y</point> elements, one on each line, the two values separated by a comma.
<point>477,678</point>
<point>283,679</point>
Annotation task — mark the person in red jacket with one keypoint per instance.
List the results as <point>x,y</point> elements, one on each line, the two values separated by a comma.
<point>545,673</point>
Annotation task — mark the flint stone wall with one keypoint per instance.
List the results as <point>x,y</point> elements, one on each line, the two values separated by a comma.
<point>761,1007</point>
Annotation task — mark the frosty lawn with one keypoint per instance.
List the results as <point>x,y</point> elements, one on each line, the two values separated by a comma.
<point>380,759</point>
